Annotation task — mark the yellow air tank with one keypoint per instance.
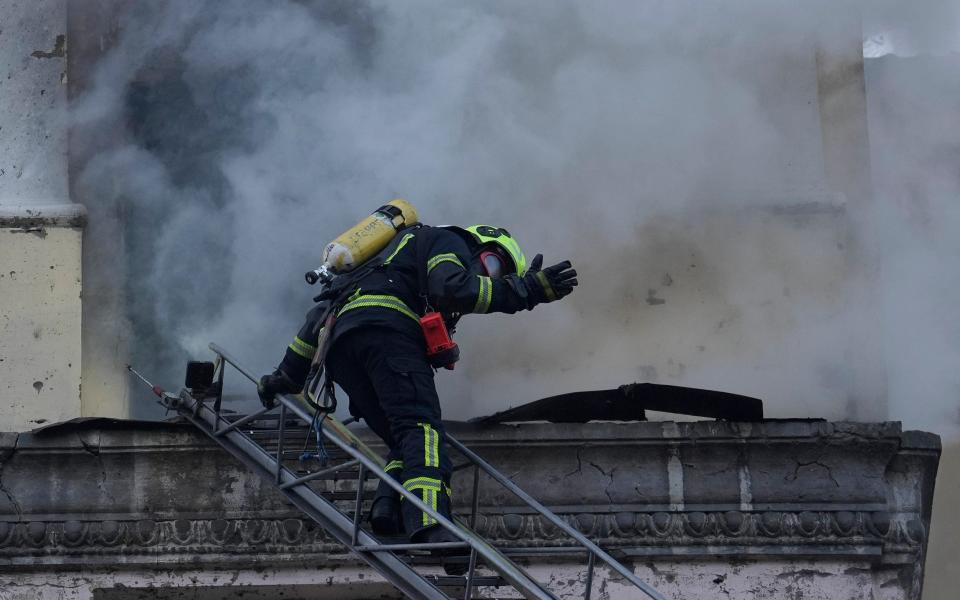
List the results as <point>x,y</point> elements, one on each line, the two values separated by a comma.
<point>364,240</point>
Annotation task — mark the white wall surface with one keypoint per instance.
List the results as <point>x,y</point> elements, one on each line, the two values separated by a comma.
<point>39,325</point>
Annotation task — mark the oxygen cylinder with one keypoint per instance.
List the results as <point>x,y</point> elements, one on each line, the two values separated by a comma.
<point>364,240</point>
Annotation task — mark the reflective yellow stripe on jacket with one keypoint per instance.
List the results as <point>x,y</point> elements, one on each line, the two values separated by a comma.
<point>484,296</point>
<point>380,301</point>
<point>400,246</point>
<point>449,257</point>
<point>303,349</point>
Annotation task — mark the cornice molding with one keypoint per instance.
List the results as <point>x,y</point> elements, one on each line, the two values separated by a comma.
<point>669,531</point>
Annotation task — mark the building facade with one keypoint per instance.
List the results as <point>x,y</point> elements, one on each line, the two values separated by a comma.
<point>804,510</point>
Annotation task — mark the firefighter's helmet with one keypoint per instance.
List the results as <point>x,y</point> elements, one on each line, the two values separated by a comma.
<point>486,235</point>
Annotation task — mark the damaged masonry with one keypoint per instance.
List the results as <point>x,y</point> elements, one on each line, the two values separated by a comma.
<point>797,508</point>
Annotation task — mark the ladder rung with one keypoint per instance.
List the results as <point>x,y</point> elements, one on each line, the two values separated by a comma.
<point>265,417</point>
<point>399,547</point>
<point>319,474</point>
<point>340,476</point>
<point>347,495</point>
<point>289,435</point>
<point>294,454</point>
<point>461,581</point>
<point>533,551</point>
<point>239,423</point>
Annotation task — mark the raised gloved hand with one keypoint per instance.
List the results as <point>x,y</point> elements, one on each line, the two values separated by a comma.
<point>275,383</point>
<point>548,284</point>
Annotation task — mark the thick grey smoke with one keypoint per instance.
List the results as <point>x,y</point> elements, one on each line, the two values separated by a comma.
<point>671,150</point>
<point>916,140</point>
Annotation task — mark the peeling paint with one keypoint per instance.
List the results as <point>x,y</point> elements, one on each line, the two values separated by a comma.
<point>745,480</point>
<point>38,231</point>
<point>59,49</point>
<point>652,299</point>
<point>675,478</point>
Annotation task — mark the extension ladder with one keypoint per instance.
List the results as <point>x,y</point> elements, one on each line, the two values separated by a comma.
<point>262,442</point>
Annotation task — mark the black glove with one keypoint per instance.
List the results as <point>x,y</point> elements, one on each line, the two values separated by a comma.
<point>548,284</point>
<point>276,383</point>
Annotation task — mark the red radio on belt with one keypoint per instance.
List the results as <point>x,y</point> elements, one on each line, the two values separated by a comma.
<point>441,350</point>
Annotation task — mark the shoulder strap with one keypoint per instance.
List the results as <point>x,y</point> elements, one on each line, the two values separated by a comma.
<point>422,284</point>
<point>342,285</point>
<point>422,275</point>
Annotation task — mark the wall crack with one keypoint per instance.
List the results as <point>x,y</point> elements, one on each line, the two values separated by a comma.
<point>579,468</point>
<point>94,450</point>
<point>799,464</point>
<point>4,458</point>
<point>609,476</point>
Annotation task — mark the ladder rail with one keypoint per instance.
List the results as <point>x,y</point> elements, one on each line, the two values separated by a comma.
<point>507,569</point>
<point>248,452</point>
<point>517,577</point>
<point>370,461</point>
<point>592,548</point>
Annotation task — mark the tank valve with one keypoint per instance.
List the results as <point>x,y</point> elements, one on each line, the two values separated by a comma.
<point>321,273</point>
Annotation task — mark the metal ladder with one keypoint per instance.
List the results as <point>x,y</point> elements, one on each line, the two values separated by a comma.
<point>266,450</point>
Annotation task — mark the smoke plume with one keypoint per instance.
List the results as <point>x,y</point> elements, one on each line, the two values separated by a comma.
<point>672,151</point>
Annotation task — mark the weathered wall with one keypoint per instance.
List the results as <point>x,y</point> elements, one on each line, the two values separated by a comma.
<point>33,102</point>
<point>799,510</point>
<point>40,231</point>
<point>699,580</point>
<point>40,316</point>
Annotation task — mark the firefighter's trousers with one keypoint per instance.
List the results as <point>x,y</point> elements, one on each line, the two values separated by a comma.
<point>391,387</point>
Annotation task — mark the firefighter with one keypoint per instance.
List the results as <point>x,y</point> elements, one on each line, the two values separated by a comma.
<point>378,353</point>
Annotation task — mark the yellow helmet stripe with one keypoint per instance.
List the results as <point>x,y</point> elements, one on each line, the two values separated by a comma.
<point>485,234</point>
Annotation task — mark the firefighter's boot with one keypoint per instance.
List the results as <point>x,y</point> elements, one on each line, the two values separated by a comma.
<point>385,511</point>
<point>421,527</point>
<point>385,514</point>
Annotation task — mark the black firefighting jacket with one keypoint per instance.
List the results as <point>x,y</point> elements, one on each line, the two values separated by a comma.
<point>390,296</point>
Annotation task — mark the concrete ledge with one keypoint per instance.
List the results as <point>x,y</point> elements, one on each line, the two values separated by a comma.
<point>809,496</point>
<point>56,215</point>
